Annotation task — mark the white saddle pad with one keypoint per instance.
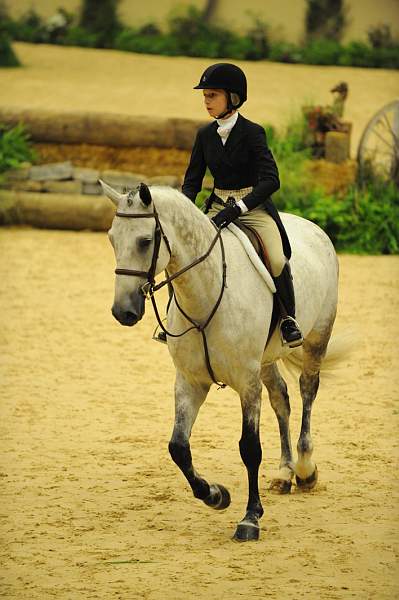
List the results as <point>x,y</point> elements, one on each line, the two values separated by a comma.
<point>253,257</point>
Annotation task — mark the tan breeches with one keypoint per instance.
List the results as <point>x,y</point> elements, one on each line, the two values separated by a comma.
<point>268,231</point>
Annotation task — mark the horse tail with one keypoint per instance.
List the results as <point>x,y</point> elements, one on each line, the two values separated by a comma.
<point>339,349</point>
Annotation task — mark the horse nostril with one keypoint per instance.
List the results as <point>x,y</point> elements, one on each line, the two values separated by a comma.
<point>130,317</point>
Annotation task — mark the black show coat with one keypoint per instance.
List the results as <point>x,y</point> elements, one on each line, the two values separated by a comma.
<point>244,161</point>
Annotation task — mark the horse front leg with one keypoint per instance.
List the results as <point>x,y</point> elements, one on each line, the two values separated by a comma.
<point>251,454</point>
<point>188,401</point>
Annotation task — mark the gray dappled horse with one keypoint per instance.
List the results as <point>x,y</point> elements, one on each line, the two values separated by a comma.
<point>225,307</point>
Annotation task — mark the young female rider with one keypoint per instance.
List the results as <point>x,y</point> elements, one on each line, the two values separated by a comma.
<point>245,175</point>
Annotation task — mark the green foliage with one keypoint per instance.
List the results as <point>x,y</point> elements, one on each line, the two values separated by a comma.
<point>14,147</point>
<point>8,58</point>
<point>189,34</point>
<point>365,220</point>
<point>78,36</point>
<point>30,27</point>
<point>325,19</point>
<point>100,18</point>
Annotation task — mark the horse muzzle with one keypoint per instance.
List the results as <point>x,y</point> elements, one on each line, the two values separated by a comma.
<point>131,312</point>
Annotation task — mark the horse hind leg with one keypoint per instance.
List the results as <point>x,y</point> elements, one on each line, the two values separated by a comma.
<point>279,399</point>
<point>314,350</point>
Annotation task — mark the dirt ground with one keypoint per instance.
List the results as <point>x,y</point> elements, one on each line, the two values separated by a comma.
<point>92,505</point>
<point>65,79</point>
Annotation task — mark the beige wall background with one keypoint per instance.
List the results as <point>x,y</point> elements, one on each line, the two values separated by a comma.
<point>285,17</point>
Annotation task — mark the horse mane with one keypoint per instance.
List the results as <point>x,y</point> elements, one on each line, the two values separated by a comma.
<point>193,225</point>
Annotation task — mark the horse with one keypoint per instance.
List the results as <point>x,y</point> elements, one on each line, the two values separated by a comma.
<point>218,327</point>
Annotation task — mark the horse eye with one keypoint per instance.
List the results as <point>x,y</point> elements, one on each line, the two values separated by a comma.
<point>143,243</point>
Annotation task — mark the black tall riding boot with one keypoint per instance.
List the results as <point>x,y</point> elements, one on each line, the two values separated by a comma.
<point>289,328</point>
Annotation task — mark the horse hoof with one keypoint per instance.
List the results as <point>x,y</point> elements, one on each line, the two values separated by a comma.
<point>280,486</point>
<point>309,482</point>
<point>219,497</point>
<point>246,532</point>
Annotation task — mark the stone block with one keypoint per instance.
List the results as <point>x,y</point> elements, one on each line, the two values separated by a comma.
<point>121,180</point>
<point>62,187</point>
<point>86,175</point>
<point>93,189</point>
<point>53,171</point>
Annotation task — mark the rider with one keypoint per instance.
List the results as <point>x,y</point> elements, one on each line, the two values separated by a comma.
<point>245,175</point>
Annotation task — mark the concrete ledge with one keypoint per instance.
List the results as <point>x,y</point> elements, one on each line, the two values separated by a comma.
<point>103,128</point>
<point>56,211</point>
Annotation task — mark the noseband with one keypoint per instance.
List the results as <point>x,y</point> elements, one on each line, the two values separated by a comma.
<point>149,288</point>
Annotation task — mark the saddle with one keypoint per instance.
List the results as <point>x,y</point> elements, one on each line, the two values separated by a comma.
<point>256,241</point>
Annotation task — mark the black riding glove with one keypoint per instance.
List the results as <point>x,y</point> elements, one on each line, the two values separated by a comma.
<point>226,216</point>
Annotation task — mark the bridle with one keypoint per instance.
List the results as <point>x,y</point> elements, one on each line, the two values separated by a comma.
<point>149,288</point>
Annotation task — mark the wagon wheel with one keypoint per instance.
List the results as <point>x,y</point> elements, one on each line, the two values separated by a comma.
<point>378,150</point>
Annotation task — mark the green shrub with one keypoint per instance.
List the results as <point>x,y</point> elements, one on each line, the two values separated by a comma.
<point>14,147</point>
<point>325,19</point>
<point>321,52</point>
<point>30,27</point>
<point>78,36</point>
<point>8,58</point>
<point>285,52</point>
<point>100,18</point>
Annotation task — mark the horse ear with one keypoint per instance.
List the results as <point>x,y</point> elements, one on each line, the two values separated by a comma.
<point>110,192</point>
<point>145,194</point>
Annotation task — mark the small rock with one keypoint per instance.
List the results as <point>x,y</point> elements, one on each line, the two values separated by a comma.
<point>86,175</point>
<point>53,171</point>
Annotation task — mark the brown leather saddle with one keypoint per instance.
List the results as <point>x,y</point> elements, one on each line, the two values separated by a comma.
<point>261,251</point>
<point>257,243</point>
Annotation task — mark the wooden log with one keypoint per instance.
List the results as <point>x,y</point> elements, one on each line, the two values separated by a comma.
<point>56,211</point>
<point>103,128</point>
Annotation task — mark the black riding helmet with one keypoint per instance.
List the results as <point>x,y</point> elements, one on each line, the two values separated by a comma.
<point>227,77</point>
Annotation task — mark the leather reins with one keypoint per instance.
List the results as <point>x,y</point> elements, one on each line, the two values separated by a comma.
<point>149,288</point>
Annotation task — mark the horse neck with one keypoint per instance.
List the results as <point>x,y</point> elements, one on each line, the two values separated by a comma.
<point>191,236</point>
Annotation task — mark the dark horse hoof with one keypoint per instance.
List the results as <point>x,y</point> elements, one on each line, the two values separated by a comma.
<point>219,497</point>
<point>280,486</point>
<point>308,483</point>
<point>246,532</point>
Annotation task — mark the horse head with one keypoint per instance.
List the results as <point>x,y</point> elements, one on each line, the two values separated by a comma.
<point>137,239</point>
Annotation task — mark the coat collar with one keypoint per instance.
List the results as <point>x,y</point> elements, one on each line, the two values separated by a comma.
<point>236,134</point>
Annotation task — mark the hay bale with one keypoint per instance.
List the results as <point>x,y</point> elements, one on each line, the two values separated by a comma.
<point>56,211</point>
